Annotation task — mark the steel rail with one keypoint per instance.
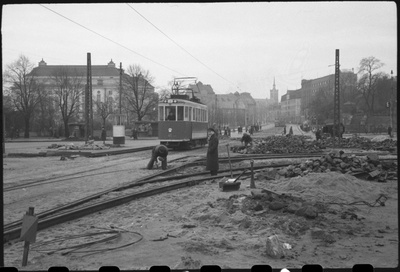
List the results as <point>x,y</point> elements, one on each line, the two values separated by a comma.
<point>68,177</point>
<point>50,217</point>
<point>145,180</point>
<point>14,232</point>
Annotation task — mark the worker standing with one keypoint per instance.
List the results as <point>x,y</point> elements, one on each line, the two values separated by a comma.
<point>103,135</point>
<point>159,153</point>
<point>390,131</point>
<point>290,131</point>
<point>212,152</point>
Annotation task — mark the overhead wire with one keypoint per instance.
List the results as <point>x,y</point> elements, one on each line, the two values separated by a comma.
<point>162,32</point>
<point>110,40</point>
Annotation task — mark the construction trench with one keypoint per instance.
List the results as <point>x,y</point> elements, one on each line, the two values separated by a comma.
<point>284,202</point>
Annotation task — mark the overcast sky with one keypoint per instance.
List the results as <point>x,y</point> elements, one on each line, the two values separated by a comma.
<point>231,46</point>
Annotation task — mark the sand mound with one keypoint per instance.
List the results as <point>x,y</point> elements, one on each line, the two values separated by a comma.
<point>329,187</point>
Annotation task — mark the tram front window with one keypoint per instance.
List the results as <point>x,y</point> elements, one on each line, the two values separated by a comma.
<point>170,112</point>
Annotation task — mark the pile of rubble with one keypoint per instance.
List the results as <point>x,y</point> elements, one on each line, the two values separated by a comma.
<point>280,145</point>
<point>369,167</point>
<point>358,142</point>
<point>304,144</point>
<point>90,145</point>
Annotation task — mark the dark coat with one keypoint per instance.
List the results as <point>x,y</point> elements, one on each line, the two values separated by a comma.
<point>158,151</point>
<point>212,153</point>
<point>103,135</point>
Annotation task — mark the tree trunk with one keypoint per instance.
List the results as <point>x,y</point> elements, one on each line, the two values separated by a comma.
<point>66,129</point>
<point>26,133</point>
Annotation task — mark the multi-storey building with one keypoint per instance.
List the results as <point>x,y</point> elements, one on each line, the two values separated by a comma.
<point>105,83</point>
<point>291,106</point>
<point>309,88</point>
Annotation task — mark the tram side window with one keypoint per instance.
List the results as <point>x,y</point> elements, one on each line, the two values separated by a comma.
<point>180,113</point>
<point>170,113</point>
<point>194,114</point>
<point>186,113</point>
<point>190,114</point>
<point>160,113</point>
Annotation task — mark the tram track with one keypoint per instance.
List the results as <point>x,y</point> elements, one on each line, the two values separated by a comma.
<point>72,176</point>
<point>89,205</point>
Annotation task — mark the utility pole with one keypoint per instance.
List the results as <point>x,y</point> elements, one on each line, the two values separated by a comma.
<point>336,107</point>
<point>87,103</point>
<point>91,97</point>
<point>120,92</point>
<point>390,101</point>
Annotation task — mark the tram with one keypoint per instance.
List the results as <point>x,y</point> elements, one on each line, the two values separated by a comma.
<point>182,118</point>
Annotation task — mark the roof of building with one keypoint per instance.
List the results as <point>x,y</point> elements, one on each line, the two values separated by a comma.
<point>45,70</point>
<point>97,70</point>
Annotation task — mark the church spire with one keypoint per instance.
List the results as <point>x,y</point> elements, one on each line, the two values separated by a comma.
<point>274,83</point>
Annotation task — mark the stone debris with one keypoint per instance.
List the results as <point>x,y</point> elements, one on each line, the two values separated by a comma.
<point>279,145</point>
<point>70,146</point>
<point>304,144</point>
<point>274,247</point>
<point>377,143</point>
<point>369,167</point>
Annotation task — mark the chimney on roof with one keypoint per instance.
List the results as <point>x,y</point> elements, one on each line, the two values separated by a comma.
<point>42,63</point>
<point>111,64</point>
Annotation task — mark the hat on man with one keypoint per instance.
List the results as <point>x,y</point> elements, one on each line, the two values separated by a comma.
<point>211,129</point>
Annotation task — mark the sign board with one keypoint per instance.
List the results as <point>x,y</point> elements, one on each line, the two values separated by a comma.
<point>29,228</point>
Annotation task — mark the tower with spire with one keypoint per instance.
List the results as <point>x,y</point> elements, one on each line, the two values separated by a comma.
<point>274,94</point>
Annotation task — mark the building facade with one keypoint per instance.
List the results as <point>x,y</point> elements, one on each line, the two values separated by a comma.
<point>291,106</point>
<point>105,84</point>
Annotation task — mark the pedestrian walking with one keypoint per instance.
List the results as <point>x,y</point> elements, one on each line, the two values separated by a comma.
<point>159,153</point>
<point>103,135</point>
<point>290,131</point>
<point>390,131</point>
<point>212,152</point>
<point>134,133</point>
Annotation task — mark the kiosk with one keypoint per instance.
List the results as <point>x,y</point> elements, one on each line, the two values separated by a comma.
<point>119,129</point>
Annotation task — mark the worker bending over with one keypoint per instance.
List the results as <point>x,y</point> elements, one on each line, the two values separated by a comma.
<point>246,139</point>
<point>159,153</point>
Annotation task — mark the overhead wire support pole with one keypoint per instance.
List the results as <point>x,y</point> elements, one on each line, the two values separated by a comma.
<point>120,93</point>
<point>336,107</point>
<point>90,96</point>
<point>87,104</point>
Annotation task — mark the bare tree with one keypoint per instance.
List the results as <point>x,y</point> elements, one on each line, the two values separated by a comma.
<point>367,83</point>
<point>140,97</point>
<point>68,87</point>
<point>104,110</point>
<point>164,93</point>
<point>25,91</point>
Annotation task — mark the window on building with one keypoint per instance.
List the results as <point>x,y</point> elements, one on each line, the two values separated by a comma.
<point>98,96</point>
<point>100,82</point>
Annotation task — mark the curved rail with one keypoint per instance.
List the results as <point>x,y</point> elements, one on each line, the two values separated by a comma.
<point>71,211</point>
